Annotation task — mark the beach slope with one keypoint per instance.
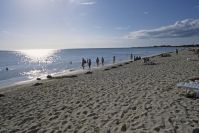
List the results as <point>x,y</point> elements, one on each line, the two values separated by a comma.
<point>128,98</point>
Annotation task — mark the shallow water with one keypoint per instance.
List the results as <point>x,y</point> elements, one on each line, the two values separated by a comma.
<point>26,65</point>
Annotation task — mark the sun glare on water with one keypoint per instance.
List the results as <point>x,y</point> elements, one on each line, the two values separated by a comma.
<point>41,55</point>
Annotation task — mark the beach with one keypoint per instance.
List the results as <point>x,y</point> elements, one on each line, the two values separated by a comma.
<point>131,97</point>
<point>27,65</point>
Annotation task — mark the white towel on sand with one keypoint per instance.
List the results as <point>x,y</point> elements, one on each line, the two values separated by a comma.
<point>194,86</point>
<point>189,85</point>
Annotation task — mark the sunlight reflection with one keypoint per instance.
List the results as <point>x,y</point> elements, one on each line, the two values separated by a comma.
<point>41,55</point>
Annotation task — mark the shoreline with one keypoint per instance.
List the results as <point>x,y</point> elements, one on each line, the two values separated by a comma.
<point>132,97</point>
<point>75,72</point>
<point>12,79</point>
<point>71,73</point>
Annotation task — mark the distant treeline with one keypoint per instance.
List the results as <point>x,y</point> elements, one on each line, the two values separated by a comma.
<point>191,45</point>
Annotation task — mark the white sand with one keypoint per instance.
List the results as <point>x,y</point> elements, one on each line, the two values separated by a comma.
<point>131,98</point>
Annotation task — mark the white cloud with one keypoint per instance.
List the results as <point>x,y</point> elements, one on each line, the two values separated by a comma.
<point>59,1</point>
<point>181,29</point>
<point>88,3</point>
<point>146,12</point>
<point>122,28</point>
<point>84,2</point>
<point>81,2</point>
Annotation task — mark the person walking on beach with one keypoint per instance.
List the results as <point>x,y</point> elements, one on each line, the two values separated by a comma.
<point>97,61</point>
<point>83,62</point>
<point>113,59</point>
<point>89,63</point>
<point>102,60</point>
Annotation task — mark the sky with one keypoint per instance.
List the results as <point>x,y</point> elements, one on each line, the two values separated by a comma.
<point>56,24</point>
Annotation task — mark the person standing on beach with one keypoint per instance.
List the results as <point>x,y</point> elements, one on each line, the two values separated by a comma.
<point>97,61</point>
<point>102,60</point>
<point>176,51</point>
<point>89,63</point>
<point>113,59</point>
<point>131,56</point>
<point>83,62</point>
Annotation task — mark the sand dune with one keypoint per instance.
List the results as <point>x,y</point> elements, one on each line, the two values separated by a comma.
<point>129,98</point>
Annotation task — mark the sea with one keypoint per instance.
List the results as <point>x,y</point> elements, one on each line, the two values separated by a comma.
<point>20,66</point>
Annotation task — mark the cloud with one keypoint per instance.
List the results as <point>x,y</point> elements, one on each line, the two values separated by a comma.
<point>88,3</point>
<point>56,1</point>
<point>84,2</point>
<point>122,28</point>
<point>146,12</point>
<point>181,29</point>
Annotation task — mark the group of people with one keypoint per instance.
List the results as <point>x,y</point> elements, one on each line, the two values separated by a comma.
<point>137,58</point>
<point>98,61</point>
<point>89,62</point>
<point>134,58</point>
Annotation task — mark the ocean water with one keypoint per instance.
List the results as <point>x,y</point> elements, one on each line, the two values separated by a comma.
<point>25,65</point>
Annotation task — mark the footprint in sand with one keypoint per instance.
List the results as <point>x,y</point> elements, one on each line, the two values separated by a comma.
<point>53,117</point>
<point>85,112</point>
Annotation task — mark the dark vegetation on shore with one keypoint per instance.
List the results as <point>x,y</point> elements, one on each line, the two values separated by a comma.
<point>191,45</point>
<point>156,46</point>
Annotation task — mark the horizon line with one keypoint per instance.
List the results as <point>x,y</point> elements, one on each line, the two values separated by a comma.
<point>187,45</point>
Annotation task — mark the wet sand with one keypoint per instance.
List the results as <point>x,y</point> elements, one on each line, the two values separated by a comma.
<point>131,97</point>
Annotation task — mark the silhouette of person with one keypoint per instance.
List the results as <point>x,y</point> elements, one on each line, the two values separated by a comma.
<point>131,56</point>
<point>176,51</point>
<point>102,60</point>
<point>113,59</point>
<point>89,63</point>
<point>6,68</point>
<point>83,62</point>
<point>97,61</point>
